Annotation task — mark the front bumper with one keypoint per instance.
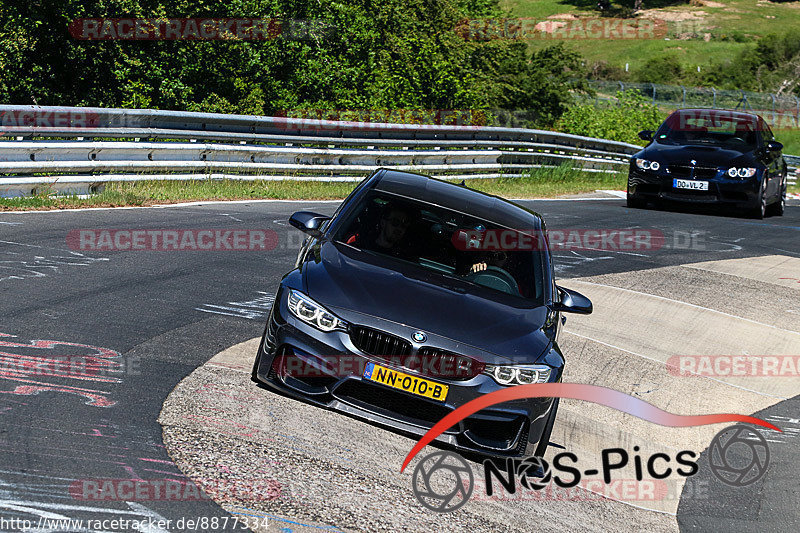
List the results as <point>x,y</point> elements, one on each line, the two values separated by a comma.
<point>295,359</point>
<point>722,189</point>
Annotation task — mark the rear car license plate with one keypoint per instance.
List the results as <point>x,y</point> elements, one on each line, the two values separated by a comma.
<point>690,184</point>
<point>406,382</point>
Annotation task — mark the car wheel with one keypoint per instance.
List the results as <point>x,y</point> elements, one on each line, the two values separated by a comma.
<point>779,207</point>
<point>634,202</point>
<point>761,211</point>
<point>541,448</point>
<point>254,372</point>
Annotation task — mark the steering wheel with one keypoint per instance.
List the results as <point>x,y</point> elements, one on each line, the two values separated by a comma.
<point>495,278</point>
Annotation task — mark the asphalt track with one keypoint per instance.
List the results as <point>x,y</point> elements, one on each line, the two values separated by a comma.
<point>720,285</point>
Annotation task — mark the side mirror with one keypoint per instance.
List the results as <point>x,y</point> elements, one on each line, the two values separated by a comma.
<point>572,302</point>
<point>308,222</point>
<point>646,135</point>
<point>774,146</point>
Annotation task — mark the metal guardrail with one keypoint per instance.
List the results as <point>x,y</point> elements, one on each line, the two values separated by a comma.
<point>78,150</point>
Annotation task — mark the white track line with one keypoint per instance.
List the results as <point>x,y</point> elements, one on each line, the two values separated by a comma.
<point>576,280</point>
<point>663,363</point>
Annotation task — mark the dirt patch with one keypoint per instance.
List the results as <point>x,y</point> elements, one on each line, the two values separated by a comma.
<point>563,16</point>
<point>672,16</point>
<point>706,3</point>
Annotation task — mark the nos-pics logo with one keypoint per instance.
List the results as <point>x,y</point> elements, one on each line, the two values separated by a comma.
<point>443,481</point>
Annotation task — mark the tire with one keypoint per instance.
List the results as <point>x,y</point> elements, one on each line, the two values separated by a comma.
<point>254,372</point>
<point>779,207</point>
<point>541,448</point>
<point>761,210</point>
<point>635,203</point>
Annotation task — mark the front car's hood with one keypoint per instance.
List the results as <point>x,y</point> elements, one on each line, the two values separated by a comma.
<point>704,155</point>
<point>356,283</point>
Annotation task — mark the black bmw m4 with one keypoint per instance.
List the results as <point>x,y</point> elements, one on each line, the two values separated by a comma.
<point>711,156</point>
<point>399,310</point>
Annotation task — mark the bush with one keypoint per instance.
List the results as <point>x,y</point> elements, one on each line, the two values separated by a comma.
<point>394,54</point>
<point>666,69</point>
<point>620,122</point>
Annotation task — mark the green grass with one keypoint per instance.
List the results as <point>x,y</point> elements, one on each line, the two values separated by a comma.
<point>790,139</point>
<point>730,28</point>
<point>541,183</point>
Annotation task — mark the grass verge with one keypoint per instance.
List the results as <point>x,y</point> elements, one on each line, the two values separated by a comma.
<point>537,183</point>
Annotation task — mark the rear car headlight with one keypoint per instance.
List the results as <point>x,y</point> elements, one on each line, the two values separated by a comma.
<point>313,313</point>
<point>741,172</point>
<point>644,164</point>
<point>519,374</point>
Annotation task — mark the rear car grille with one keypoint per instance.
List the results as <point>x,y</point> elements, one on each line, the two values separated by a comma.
<point>685,171</point>
<point>378,343</point>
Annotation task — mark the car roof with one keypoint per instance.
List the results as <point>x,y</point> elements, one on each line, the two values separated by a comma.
<point>458,198</point>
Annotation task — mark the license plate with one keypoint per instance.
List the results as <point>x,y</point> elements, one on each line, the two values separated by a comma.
<point>406,382</point>
<point>690,184</point>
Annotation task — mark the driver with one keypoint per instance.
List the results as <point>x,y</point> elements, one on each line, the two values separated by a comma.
<point>391,232</point>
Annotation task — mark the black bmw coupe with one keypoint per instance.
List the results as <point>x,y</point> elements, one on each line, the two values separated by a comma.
<point>710,156</point>
<point>397,314</point>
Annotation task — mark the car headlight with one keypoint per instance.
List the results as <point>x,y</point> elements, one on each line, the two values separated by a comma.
<point>313,313</point>
<point>741,172</point>
<point>644,164</point>
<point>519,374</point>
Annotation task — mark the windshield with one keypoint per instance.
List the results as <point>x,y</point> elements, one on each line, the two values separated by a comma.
<point>736,131</point>
<point>446,242</point>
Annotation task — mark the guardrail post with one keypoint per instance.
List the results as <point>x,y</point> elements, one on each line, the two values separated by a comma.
<point>714,91</point>
<point>684,96</point>
<point>653,85</point>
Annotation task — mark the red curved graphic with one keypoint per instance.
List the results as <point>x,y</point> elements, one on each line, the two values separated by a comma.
<point>590,393</point>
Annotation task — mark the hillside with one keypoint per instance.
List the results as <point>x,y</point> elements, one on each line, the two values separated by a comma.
<point>699,33</point>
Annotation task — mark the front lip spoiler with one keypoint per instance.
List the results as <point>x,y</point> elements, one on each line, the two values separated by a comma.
<point>391,422</point>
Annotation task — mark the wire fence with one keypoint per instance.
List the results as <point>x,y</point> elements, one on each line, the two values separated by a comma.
<point>779,110</point>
